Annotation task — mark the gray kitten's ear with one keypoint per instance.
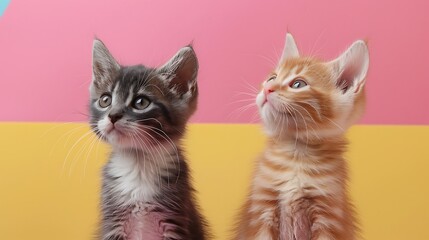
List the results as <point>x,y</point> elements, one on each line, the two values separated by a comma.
<point>290,50</point>
<point>104,66</point>
<point>351,67</point>
<point>181,71</point>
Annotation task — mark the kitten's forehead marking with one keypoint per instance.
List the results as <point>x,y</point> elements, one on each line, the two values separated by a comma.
<point>130,95</point>
<point>120,95</point>
<point>115,95</point>
<point>293,73</point>
<point>288,79</point>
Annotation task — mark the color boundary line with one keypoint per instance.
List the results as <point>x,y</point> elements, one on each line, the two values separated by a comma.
<point>3,6</point>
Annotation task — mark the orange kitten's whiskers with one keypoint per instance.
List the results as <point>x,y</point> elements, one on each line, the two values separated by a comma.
<point>240,110</point>
<point>298,189</point>
<point>313,51</point>
<point>268,60</point>
<point>245,101</point>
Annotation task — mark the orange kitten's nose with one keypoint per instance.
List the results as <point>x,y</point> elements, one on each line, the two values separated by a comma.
<point>268,89</point>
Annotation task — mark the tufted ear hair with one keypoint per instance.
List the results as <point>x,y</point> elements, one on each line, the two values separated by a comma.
<point>181,70</point>
<point>290,49</point>
<point>104,66</point>
<point>351,67</point>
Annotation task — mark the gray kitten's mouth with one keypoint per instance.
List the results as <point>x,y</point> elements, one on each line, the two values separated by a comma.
<point>112,129</point>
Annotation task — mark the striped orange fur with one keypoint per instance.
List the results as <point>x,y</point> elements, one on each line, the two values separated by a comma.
<point>299,185</point>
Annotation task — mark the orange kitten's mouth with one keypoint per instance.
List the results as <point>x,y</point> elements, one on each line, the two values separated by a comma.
<point>270,101</point>
<point>264,102</point>
<point>273,105</point>
<point>276,108</point>
<point>264,99</point>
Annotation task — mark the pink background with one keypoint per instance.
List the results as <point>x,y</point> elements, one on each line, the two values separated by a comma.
<point>45,50</point>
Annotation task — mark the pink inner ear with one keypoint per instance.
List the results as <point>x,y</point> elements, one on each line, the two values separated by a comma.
<point>183,69</point>
<point>352,67</point>
<point>348,78</point>
<point>186,72</point>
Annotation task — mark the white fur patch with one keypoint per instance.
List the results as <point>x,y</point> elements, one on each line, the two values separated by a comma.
<point>138,176</point>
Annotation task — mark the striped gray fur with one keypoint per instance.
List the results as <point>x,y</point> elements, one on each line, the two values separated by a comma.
<point>142,113</point>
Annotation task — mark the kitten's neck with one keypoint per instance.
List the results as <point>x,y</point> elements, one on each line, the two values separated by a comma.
<point>150,151</point>
<point>139,176</point>
<point>304,147</point>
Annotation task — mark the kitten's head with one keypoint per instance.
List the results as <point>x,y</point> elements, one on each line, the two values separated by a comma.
<point>137,106</point>
<point>308,97</point>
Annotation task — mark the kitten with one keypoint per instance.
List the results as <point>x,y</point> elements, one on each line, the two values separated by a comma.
<point>142,113</point>
<point>299,187</point>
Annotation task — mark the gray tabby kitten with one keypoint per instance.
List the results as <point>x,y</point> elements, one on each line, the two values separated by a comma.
<point>142,113</point>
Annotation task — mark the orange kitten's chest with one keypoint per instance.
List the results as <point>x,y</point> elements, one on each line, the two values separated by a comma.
<point>292,176</point>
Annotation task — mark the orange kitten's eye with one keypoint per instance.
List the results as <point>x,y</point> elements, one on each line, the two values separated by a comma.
<point>297,83</point>
<point>271,78</point>
<point>105,100</point>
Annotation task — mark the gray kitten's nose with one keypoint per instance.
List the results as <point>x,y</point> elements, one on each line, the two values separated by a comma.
<point>114,117</point>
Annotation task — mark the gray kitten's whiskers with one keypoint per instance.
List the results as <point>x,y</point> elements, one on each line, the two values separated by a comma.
<point>142,113</point>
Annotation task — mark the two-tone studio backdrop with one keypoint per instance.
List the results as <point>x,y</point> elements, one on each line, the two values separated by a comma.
<point>49,162</point>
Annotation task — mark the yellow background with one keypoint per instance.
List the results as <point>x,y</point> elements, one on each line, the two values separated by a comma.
<point>49,178</point>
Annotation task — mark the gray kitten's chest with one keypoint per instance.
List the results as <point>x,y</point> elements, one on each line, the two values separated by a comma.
<point>130,179</point>
<point>132,186</point>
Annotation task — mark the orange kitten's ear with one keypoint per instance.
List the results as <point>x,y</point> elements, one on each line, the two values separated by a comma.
<point>351,67</point>
<point>290,50</point>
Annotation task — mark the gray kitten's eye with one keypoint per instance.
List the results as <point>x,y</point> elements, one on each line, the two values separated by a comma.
<point>140,103</point>
<point>298,83</point>
<point>105,100</point>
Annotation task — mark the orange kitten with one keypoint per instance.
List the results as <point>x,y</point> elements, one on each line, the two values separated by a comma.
<point>299,187</point>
